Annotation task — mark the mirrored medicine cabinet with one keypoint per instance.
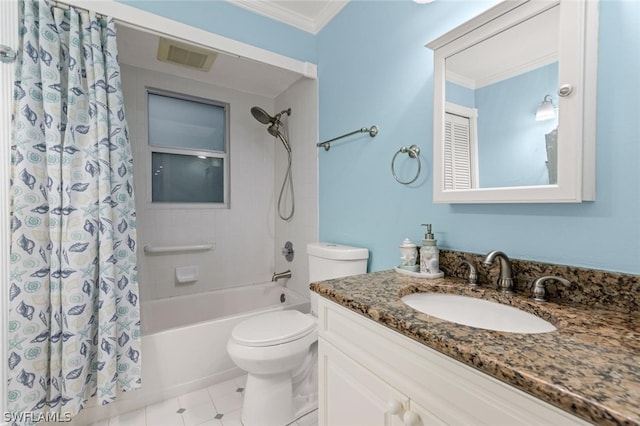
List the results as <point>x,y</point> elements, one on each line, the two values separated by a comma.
<point>515,105</point>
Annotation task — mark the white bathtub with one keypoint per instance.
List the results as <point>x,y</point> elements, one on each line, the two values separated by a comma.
<point>184,342</point>
<point>224,306</point>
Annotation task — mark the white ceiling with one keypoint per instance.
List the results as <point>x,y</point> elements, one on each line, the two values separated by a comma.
<point>307,15</point>
<point>139,48</point>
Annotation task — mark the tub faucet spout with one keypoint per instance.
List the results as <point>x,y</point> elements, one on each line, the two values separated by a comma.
<point>281,275</point>
<point>505,282</point>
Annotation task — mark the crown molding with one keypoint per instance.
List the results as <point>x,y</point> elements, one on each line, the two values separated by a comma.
<point>471,83</point>
<point>517,70</point>
<point>287,16</point>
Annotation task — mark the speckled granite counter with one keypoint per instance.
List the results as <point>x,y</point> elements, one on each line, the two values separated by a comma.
<point>590,366</point>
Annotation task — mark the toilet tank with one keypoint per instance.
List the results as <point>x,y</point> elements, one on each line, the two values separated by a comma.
<point>328,260</point>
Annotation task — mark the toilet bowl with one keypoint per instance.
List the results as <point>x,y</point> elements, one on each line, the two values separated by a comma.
<point>276,351</point>
<point>279,349</point>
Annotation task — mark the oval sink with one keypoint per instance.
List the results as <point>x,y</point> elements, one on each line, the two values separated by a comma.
<point>477,313</point>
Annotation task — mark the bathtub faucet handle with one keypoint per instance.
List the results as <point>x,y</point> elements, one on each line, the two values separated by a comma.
<point>287,251</point>
<point>281,275</point>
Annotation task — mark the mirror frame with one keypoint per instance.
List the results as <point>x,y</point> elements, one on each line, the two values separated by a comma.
<point>578,61</point>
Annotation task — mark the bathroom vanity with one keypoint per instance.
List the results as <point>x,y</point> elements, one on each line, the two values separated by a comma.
<point>382,362</point>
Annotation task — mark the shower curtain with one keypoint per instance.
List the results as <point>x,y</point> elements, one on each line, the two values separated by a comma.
<point>74,329</point>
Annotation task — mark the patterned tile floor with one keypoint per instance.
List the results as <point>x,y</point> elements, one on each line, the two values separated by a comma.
<point>217,405</point>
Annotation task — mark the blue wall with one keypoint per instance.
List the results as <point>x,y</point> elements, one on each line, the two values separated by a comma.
<point>374,68</point>
<point>460,95</point>
<point>225,19</point>
<point>512,144</point>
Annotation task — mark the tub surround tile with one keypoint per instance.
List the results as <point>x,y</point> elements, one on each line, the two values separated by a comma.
<point>590,366</point>
<point>177,224</point>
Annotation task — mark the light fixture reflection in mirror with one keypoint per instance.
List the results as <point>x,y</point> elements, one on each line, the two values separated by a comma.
<point>546,110</point>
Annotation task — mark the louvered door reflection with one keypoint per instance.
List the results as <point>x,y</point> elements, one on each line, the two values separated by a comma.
<point>457,153</point>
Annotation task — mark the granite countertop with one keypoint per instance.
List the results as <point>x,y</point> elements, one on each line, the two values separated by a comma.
<point>589,366</point>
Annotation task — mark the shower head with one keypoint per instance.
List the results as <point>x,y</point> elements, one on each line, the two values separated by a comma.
<point>274,123</point>
<point>274,129</point>
<point>261,115</point>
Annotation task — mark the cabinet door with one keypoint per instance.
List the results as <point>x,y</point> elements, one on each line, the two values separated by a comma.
<point>351,395</point>
<point>417,415</point>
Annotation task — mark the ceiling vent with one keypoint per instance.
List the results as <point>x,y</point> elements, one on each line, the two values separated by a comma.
<point>178,53</point>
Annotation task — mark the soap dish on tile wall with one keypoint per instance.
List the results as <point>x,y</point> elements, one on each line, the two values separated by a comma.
<point>418,274</point>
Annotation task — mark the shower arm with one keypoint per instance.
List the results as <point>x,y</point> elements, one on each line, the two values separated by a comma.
<point>373,131</point>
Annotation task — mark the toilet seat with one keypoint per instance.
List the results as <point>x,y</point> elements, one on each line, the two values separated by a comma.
<point>273,328</point>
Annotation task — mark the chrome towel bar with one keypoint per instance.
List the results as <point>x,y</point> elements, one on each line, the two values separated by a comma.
<point>373,131</point>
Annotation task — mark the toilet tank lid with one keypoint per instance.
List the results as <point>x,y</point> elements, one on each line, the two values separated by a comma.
<point>337,251</point>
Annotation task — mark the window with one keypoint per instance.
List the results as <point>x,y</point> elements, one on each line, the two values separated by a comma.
<point>189,143</point>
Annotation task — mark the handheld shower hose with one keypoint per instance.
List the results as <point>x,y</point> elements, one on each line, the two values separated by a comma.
<point>275,124</point>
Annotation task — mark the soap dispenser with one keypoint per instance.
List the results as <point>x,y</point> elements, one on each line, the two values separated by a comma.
<point>430,256</point>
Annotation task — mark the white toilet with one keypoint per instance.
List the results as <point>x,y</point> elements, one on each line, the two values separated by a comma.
<point>279,349</point>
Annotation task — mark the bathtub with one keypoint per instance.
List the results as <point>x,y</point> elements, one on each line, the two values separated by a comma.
<point>223,307</point>
<point>184,342</point>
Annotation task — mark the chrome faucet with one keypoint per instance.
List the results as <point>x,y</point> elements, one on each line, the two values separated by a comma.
<point>281,275</point>
<point>505,282</point>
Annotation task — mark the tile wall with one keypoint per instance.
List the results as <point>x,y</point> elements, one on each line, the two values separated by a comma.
<point>303,227</point>
<point>243,234</point>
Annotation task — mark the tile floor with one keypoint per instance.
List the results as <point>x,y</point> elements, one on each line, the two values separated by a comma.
<point>217,405</point>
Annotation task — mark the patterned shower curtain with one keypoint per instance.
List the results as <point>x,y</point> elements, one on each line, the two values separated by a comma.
<point>74,329</point>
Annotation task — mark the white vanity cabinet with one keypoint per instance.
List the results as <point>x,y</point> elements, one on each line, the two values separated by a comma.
<point>354,395</point>
<point>371,375</point>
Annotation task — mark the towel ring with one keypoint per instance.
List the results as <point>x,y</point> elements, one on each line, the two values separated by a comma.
<point>414,152</point>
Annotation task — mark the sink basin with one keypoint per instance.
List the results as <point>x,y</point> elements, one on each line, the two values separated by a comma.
<point>477,313</point>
